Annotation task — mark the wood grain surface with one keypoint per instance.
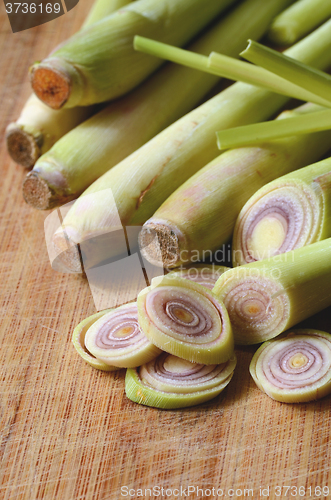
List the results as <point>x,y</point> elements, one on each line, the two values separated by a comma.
<point>68,432</point>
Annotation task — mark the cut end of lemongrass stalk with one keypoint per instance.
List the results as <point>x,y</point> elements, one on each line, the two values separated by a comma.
<point>51,85</point>
<point>184,318</point>
<point>257,307</point>
<point>22,146</point>
<point>295,368</point>
<point>160,244</point>
<point>282,216</point>
<point>67,254</point>
<point>37,193</point>
<point>169,382</point>
<point>116,339</point>
<point>78,339</point>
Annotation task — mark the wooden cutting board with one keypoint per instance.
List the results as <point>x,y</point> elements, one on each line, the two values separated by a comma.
<point>68,431</point>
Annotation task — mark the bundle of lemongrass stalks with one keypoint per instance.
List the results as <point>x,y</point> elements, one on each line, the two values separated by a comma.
<point>150,158</point>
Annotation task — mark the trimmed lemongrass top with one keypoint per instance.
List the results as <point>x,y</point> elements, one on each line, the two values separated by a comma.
<point>171,382</point>
<point>295,368</point>
<point>315,81</point>
<point>184,318</point>
<point>256,133</point>
<point>226,67</point>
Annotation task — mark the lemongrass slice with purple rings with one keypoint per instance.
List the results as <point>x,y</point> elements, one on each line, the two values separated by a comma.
<point>78,339</point>
<point>288,213</point>
<point>184,318</point>
<point>204,274</point>
<point>116,339</point>
<point>295,368</point>
<point>170,382</point>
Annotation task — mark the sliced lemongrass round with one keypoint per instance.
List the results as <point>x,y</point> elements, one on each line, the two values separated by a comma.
<point>184,318</point>
<point>204,274</point>
<point>116,339</point>
<point>295,368</point>
<point>281,217</point>
<point>78,339</point>
<point>171,382</point>
<point>257,308</point>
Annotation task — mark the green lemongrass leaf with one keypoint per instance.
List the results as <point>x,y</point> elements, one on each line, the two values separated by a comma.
<point>171,53</point>
<point>298,20</point>
<point>277,129</point>
<point>254,75</point>
<point>226,67</point>
<point>311,79</point>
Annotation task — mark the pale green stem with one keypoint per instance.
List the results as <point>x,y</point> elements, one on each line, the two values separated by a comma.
<point>268,131</point>
<point>311,79</point>
<point>103,8</point>
<point>248,73</point>
<point>299,20</point>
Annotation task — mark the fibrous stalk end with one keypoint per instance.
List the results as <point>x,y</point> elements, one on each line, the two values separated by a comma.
<point>22,146</point>
<point>159,244</point>
<point>37,193</point>
<point>51,85</point>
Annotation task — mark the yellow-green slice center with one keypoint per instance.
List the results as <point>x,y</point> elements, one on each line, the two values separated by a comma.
<point>298,360</point>
<point>125,331</point>
<point>252,308</point>
<point>182,315</point>
<point>267,237</point>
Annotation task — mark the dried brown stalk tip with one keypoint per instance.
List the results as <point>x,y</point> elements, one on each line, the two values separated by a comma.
<point>52,86</point>
<point>36,192</point>
<point>159,245</point>
<point>22,147</point>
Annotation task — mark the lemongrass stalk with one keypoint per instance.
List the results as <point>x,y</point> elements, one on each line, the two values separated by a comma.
<point>227,67</point>
<point>295,368</point>
<point>203,274</point>
<point>288,213</point>
<point>269,131</point>
<point>248,73</point>
<point>78,339</point>
<point>103,8</point>
<point>265,298</point>
<point>38,126</point>
<point>136,187</point>
<point>100,64</point>
<point>183,318</point>
<point>199,217</point>
<point>101,142</point>
<point>169,382</point>
<point>301,74</point>
<point>299,20</point>
<point>117,340</point>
